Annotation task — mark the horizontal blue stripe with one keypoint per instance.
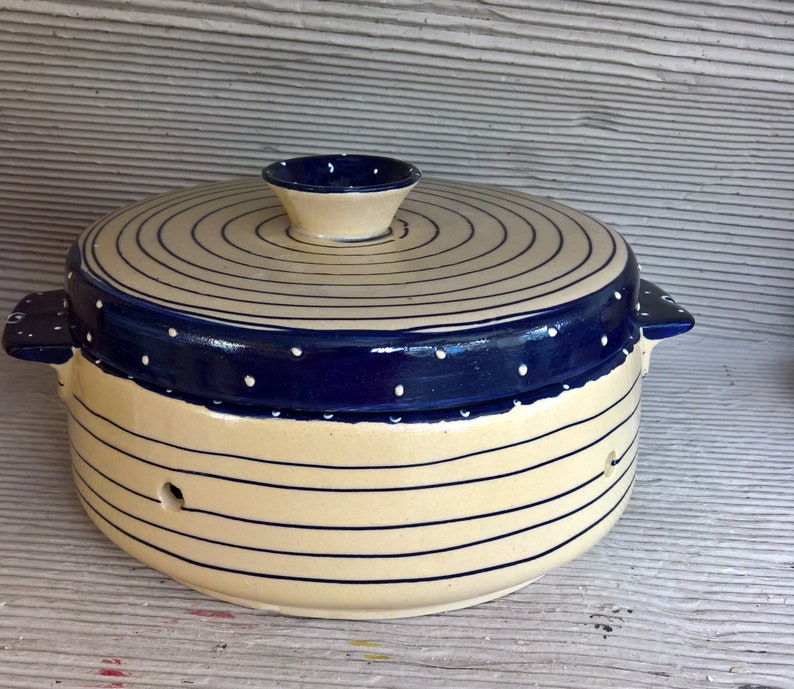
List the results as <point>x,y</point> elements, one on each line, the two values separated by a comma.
<point>358,467</point>
<point>322,580</point>
<point>379,527</point>
<point>279,486</point>
<point>374,556</point>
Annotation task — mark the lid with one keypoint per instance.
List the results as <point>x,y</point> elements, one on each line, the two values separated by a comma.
<point>329,288</point>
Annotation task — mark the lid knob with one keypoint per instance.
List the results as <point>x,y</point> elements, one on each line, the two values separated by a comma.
<point>341,197</point>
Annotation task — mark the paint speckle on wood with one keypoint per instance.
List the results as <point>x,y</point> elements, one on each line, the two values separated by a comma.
<point>212,614</point>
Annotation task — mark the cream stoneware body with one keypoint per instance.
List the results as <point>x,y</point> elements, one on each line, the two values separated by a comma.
<point>413,422</point>
<point>352,520</point>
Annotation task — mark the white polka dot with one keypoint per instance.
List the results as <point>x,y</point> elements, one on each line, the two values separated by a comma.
<point>618,296</point>
<point>171,332</point>
<point>399,390</point>
<point>553,331</point>
<point>99,303</point>
<point>604,340</point>
<point>637,306</point>
<point>441,354</point>
<point>565,386</point>
<point>328,416</point>
<point>145,360</point>
<point>465,413</point>
<point>522,370</point>
<point>395,419</point>
<point>296,351</point>
<point>276,413</point>
<point>516,403</point>
<point>250,381</point>
<point>169,390</point>
<point>58,327</point>
<point>70,275</point>
<point>625,351</point>
<point>89,337</point>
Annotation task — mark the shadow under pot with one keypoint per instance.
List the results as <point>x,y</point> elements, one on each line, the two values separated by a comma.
<point>335,393</point>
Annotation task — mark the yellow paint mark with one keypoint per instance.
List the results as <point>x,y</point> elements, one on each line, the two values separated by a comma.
<point>366,644</point>
<point>375,656</point>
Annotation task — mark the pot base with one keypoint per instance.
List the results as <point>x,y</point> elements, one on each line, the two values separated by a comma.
<point>360,614</point>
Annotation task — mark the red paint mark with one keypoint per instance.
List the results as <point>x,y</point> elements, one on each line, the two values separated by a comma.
<point>210,613</point>
<point>112,673</point>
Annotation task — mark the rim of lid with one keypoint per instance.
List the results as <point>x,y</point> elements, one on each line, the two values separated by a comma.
<point>341,173</point>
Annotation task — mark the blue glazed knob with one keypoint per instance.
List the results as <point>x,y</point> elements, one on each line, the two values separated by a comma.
<point>341,197</point>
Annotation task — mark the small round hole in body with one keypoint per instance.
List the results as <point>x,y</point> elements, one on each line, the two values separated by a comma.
<point>171,497</point>
<point>610,464</point>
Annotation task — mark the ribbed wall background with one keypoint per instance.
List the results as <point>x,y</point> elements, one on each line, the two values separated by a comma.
<point>673,121</point>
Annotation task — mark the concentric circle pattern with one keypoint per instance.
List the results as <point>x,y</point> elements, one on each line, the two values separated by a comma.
<point>457,256</point>
<point>471,283</point>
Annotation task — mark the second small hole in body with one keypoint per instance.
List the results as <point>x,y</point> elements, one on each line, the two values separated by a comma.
<point>610,464</point>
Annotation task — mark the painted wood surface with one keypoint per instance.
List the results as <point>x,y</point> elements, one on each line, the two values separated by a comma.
<point>670,120</point>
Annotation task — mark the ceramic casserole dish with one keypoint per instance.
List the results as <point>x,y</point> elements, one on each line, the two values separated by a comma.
<point>323,395</point>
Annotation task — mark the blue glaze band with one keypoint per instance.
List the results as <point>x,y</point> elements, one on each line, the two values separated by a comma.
<point>206,367</point>
<point>341,173</point>
<point>220,359</point>
<point>351,371</point>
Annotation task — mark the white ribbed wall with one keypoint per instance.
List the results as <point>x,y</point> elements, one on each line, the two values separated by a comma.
<point>670,120</point>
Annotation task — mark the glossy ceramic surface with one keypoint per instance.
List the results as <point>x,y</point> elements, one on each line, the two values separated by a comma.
<point>341,197</point>
<point>475,295</point>
<point>352,520</point>
<point>319,396</point>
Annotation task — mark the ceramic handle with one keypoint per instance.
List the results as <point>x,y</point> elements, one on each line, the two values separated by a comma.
<point>38,329</point>
<point>659,316</point>
<point>345,198</point>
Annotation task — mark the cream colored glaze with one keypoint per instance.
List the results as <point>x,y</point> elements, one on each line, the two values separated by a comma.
<point>349,216</point>
<point>124,484</point>
<point>447,266</point>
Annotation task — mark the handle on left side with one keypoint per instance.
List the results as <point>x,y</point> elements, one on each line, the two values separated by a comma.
<point>38,329</point>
